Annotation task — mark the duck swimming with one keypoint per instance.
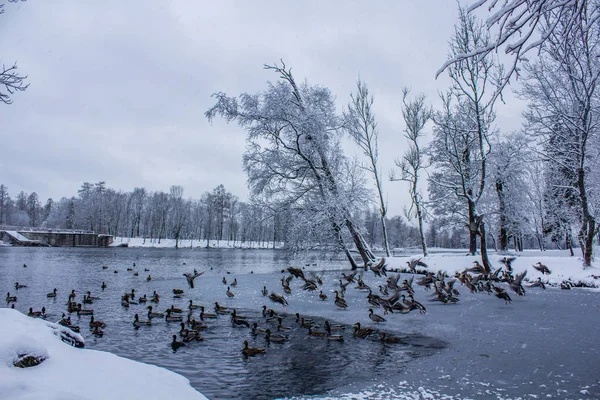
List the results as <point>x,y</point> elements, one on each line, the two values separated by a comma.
<point>251,351</point>
<point>52,293</point>
<point>10,299</point>
<point>175,344</point>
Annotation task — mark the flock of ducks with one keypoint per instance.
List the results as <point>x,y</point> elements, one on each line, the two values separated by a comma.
<point>393,297</point>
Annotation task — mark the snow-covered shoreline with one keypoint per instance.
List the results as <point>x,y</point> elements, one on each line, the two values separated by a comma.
<point>78,374</point>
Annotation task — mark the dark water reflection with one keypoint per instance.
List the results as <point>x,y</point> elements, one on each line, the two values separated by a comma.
<point>303,365</point>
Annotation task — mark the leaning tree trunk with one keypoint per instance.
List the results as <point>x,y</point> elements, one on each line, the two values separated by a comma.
<point>359,241</point>
<point>484,255</point>
<point>342,244</point>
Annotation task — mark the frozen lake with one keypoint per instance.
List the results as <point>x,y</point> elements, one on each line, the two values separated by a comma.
<point>544,344</point>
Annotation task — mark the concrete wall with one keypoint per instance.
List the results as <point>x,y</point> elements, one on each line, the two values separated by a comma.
<point>62,239</point>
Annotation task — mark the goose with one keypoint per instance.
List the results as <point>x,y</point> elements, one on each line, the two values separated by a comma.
<point>322,295</point>
<point>17,286</point>
<point>374,317</point>
<point>175,344</point>
<point>172,318</point>
<point>274,338</point>
<point>251,351</point>
<point>361,332</point>
<point>152,314</point>
<point>204,315</point>
<point>98,332</point>
<point>52,293</point>
<point>265,292</point>
<point>229,293</point>
<point>340,301</point>
<point>137,323</point>
<point>10,299</point>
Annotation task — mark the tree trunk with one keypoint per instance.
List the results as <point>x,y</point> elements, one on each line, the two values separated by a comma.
<point>484,255</point>
<point>569,242</point>
<point>360,243</point>
<point>503,237</point>
<point>473,230</point>
<point>421,229</point>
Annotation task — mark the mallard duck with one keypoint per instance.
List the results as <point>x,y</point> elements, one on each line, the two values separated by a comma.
<point>177,291</point>
<point>322,295</point>
<point>104,286</point>
<point>340,301</point>
<point>115,271</point>
<point>277,298</point>
<point>222,310</point>
<point>105,267</point>
<point>175,344</point>
<point>538,283</point>
<point>136,273</point>
<point>143,299</point>
<point>234,283</point>
<point>256,330</point>
<point>374,317</point>
<point>137,323</point>
<point>37,314</point>
<point>98,332</point>
<point>152,314</point>
<point>17,286</point>
<point>224,281</point>
<point>264,292</point>
<point>565,285</point>
<point>274,338</point>
<point>175,310</point>
<point>281,327</point>
<point>542,268</point>
<point>316,333</point>
<point>361,332</point>
<point>172,318</point>
<point>96,323</point>
<point>336,338</point>
<point>190,276</point>
<point>185,331</point>
<point>229,293</point>
<point>52,293</point>
<point>507,261</point>
<point>385,338</point>
<point>198,325</point>
<point>501,294</point>
<point>146,270</point>
<point>89,295</point>
<point>149,278</point>
<point>204,315</point>
<point>193,306</point>
<point>349,278</point>
<point>251,351</point>
<point>10,299</point>
<point>87,300</point>
<point>238,322</point>
<point>333,327</point>
<point>125,301</point>
<point>82,311</point>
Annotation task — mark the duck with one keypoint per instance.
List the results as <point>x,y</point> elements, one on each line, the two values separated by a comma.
<point>10,299</point>
<point>132,294</point>
<point>264,291</point>
<point>204,315</point>
<point>335,338</point>
<point>277,298</point>
<point>87,300</point>
<point>198,326</point>
<point>98,332</point>
<point>149,278</point>
<point>274,338</point>
<point>229,293</point>
<point>219,309</point>
<point>224,281</point>
<point>238,322</point>
<point>89,295</point>
<point>193,306</point>
<point>175,310</point>
<point>322,295</point>
<point>234,283</point>
<point>318,334</point>
<point>333,327</point>
<point>172,318</point>
<point>256,330</point>
<point>185,331</point>
<point>175,344</point>
<point>82,311</point>
<point>375,318</point>
<point>152,314</point>
<point>136,273</point>
<point>52,293</point>
<point>251,351</point>
<point>143,299</point>
<point>37,314</point>
<point>177,291</point>
<point>281,327</point>
<point>17,286</point>
<point>125,301</point>
<point>105,267</point>
<point>538,283</point>
<point>104,286</point>
<point>96,323</point>
<point>340,301</point>
<point>137,323</point>
<point>190,276</point>
<point>24,265</point>
<point>362,332</point>
<point>115,271</point>
<point>146,270</point>
<point>542,268</point>
<point>385,338</point>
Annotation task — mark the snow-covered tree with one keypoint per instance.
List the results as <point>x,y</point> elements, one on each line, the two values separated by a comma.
<point>360,123</point>
<point>416,114</point>
<point>293,154</point>
<point>10,79</point>
<point>461,132</point>
<point>561,87</point>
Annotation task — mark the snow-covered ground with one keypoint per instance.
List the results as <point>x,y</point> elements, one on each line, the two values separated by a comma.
<point>562,266</point>
<point>170,243</point>
<point>72,373</point>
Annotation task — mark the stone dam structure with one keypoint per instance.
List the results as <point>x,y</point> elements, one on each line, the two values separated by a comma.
<point>18,236</point>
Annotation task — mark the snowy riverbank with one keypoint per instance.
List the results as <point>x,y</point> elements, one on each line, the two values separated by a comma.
<point>170,243</point>
<point>71,373</point>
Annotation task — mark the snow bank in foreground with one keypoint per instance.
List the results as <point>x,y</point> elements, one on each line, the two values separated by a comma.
<point>562,267</point>
<point>71,373</point>
<point>170,243</point>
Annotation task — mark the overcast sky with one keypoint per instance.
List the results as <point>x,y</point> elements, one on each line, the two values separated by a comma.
<point>119,88</point>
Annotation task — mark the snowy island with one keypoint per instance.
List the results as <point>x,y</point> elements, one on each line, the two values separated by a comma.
<point>72,373</point>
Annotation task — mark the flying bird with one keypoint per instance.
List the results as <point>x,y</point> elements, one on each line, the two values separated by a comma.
<point>190,276</point>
